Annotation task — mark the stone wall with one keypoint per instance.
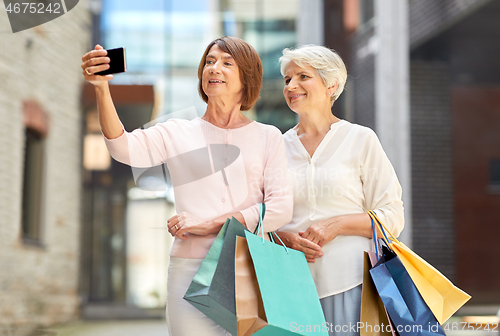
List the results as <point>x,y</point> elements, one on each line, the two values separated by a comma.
<point>39,282</point>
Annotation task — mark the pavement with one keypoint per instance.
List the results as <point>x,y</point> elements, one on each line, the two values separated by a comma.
<point>484,323</point>
<point>456,327</point>
<point>112,328</point>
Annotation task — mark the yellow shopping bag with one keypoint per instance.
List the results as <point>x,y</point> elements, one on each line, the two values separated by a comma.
<point>442,297</point>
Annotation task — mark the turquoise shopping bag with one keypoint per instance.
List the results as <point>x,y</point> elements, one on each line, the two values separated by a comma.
<point>212,289</point>
<point>288,292</point>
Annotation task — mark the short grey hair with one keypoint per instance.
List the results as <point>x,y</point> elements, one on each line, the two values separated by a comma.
<point>325,61</point>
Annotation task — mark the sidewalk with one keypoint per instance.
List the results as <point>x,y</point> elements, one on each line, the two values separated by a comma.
<point>113,328</point>
<point>159,328</point>
<point>455,326</point>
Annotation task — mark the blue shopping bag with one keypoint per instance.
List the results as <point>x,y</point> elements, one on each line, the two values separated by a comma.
<point>407,309</point>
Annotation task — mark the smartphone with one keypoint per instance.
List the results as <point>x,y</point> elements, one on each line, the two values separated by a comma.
<point>117,64</point>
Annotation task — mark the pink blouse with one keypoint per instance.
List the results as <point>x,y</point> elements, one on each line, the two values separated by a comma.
<point>214,171</point>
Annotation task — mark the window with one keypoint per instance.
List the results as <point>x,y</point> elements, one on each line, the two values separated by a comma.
<point>495,172</point>
<point>494,183</point>
<point>367,10</point>
<point>32,185</point>
<point>37,126</point>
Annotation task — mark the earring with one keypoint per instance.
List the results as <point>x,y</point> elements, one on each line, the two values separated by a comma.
<point>329,93</point>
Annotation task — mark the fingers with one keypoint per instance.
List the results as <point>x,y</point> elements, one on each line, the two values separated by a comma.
<point>310,258</point>
<point>312,253</point>
<point>301,244</point>
<point>173,225</point>
<point>311,235</point>
<point>306,243</point>
<point>182,233</point>
<point>172,221</point>
<point>90,71</point>
<point>96,61</point>
<point>94,53</point>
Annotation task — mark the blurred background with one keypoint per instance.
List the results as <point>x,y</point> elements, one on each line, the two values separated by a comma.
<point>83,240</point>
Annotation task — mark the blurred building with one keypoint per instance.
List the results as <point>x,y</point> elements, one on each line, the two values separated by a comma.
<point>455,117</point>
<point>40,170</point>
<point>425,76</point>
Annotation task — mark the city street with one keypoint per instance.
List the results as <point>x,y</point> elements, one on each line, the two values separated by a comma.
<point>113,328</point>
<point>340,115</point>
<point>159,328</point>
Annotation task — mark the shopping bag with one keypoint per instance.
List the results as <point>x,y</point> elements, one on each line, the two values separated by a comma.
<point>441,296</point>
<point>249,307</point>
<point>212,288</point>
<point>289,297</point>
<point>407,310</point>
<point>374,320</point>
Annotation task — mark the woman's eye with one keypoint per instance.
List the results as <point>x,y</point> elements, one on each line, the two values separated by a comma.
<point>304,76</point>
<point>209,62</point>
<point>287,80</point>
<point>228,63</point>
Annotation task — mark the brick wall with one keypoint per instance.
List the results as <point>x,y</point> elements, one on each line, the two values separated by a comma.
<point>432,167</point>
<point>429,18</point>
<point>39,285</point>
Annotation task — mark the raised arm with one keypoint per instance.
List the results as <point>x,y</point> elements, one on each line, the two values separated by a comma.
<point>140,148</point>
<point>92,62</point>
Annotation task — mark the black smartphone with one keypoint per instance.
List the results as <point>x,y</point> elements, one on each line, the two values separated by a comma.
<point>117,64</point>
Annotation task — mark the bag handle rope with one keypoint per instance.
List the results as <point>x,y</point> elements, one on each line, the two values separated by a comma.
<point>381,227</point>
<point>260,226</point>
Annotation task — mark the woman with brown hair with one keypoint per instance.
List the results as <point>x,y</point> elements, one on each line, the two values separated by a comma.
<point>222,164</point>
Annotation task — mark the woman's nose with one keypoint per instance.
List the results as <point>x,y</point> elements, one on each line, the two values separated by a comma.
<point>215,68</point>
<point>291,85</point>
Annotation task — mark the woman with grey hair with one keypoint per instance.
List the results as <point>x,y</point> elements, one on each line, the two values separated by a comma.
<point>339,171</point>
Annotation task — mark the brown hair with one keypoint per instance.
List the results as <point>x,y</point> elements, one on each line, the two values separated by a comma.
<point>248,62</point>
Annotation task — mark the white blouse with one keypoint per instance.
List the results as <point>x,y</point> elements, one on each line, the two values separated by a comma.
<point>349,173</point>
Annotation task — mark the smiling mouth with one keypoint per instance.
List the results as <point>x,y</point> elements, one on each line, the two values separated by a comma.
<point>215,81</point>
<point>295,96</point>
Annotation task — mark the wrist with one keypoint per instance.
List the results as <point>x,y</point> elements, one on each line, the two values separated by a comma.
<point>101,87</point>
<point>216,224</point>
<point>336,225</point>
<point>284,236</point>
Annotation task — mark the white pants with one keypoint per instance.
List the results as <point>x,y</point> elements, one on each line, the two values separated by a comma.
<point>183,319</point>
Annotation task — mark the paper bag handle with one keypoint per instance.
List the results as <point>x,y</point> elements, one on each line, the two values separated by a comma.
<point>376,222</point>
<point>260,226</point>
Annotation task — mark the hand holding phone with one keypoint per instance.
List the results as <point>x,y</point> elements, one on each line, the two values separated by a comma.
<point>117,63</point>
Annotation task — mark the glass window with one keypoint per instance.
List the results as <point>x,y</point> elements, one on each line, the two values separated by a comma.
<point>495,172</point>
<point>32,186</point>
<point>165,40</point>
<point>367,10</point>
